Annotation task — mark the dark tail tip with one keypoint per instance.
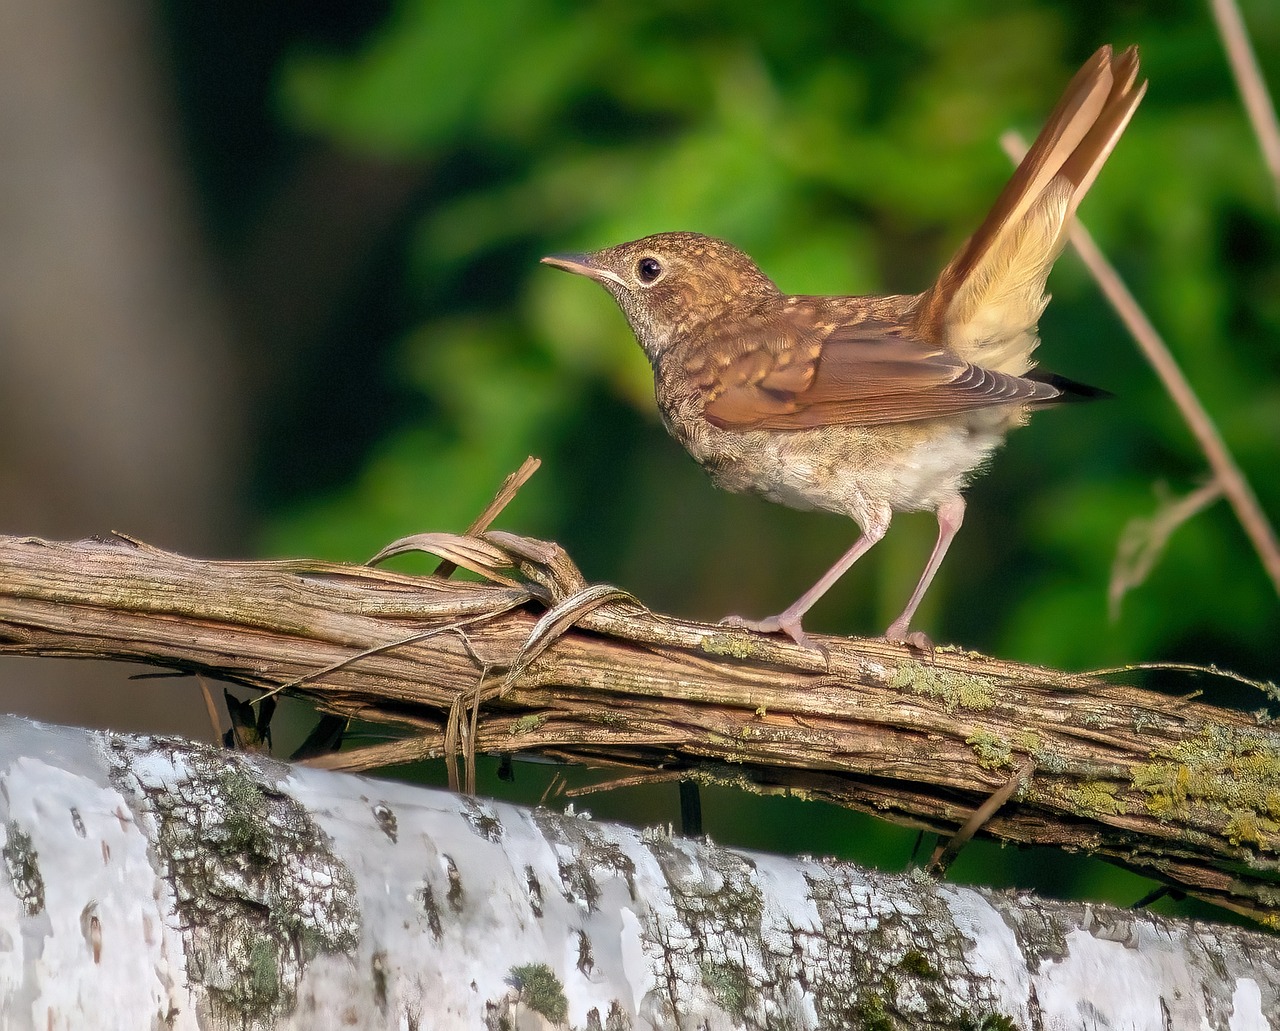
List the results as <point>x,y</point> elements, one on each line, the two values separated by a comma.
<point>1070,390</point>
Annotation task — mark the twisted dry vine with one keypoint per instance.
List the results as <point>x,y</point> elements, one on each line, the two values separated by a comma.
<point>1177,789</point>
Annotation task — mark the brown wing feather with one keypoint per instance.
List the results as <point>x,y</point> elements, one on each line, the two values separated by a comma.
<point>756,366</point>
<point>863,375</point>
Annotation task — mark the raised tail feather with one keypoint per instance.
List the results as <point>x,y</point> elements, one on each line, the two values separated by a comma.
<point>986,303</point>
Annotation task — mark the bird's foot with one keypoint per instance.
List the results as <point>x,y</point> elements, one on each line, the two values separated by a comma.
<point>917,639</point>
<point>784,623</point>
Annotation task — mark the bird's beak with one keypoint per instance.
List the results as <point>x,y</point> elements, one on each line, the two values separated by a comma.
<point>583,265</point>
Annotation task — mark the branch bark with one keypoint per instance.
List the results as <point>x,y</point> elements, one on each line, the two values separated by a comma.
<point>153,882</point>
<point>1182,791</point>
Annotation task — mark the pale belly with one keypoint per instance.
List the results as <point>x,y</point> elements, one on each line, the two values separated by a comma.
<point>861,472</point>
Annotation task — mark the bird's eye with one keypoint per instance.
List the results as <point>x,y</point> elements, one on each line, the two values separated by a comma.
<point>648,269</point>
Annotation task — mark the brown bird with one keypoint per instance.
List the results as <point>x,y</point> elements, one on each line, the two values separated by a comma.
<point>868,406</point>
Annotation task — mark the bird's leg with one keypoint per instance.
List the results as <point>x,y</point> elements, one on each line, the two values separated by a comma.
<point>950,516</point>
<point>788,621</point>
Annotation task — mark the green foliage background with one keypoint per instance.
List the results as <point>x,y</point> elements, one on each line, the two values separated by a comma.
<point>849,148</point>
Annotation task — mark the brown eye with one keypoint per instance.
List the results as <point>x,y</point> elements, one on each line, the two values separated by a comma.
<point>648,269</point>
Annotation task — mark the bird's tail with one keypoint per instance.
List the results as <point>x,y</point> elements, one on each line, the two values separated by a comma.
<point>986,303</point>
<point>1069,390</point>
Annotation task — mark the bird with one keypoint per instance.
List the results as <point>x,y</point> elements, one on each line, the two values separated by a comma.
<point>869,405</point>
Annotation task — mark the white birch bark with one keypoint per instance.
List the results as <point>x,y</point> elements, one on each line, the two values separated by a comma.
<point>157,883</point>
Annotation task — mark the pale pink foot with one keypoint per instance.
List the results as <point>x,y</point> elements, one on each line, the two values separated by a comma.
<point>898,634</point>
<point>787,622</point>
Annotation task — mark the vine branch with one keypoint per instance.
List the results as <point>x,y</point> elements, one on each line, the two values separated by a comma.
<point>1179,790</point>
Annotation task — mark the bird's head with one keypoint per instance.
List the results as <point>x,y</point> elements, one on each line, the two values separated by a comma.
<point>671,284</point>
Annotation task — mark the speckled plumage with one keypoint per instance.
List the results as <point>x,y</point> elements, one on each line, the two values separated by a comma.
<point>867,405</point>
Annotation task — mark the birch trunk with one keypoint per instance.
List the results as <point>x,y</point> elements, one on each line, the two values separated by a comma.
<point>159,883</point>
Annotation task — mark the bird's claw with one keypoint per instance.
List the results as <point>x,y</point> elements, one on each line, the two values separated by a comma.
<point>917,639</point>
<point>779,624</point>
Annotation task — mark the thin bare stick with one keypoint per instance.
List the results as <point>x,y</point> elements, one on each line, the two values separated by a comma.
<point>946,852</point>
<point>1253,88</point>
<point>491,511</point>
<point>557,781</point>
<point>1225,471</point>
<point>377,649</point>
<point>213,710</point>
<point>1143,540</point>
<point>1267,687</point>
<point>637,780</point>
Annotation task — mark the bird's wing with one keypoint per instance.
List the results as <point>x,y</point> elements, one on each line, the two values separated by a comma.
<point>986,303</point>
<point>786,373</point>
